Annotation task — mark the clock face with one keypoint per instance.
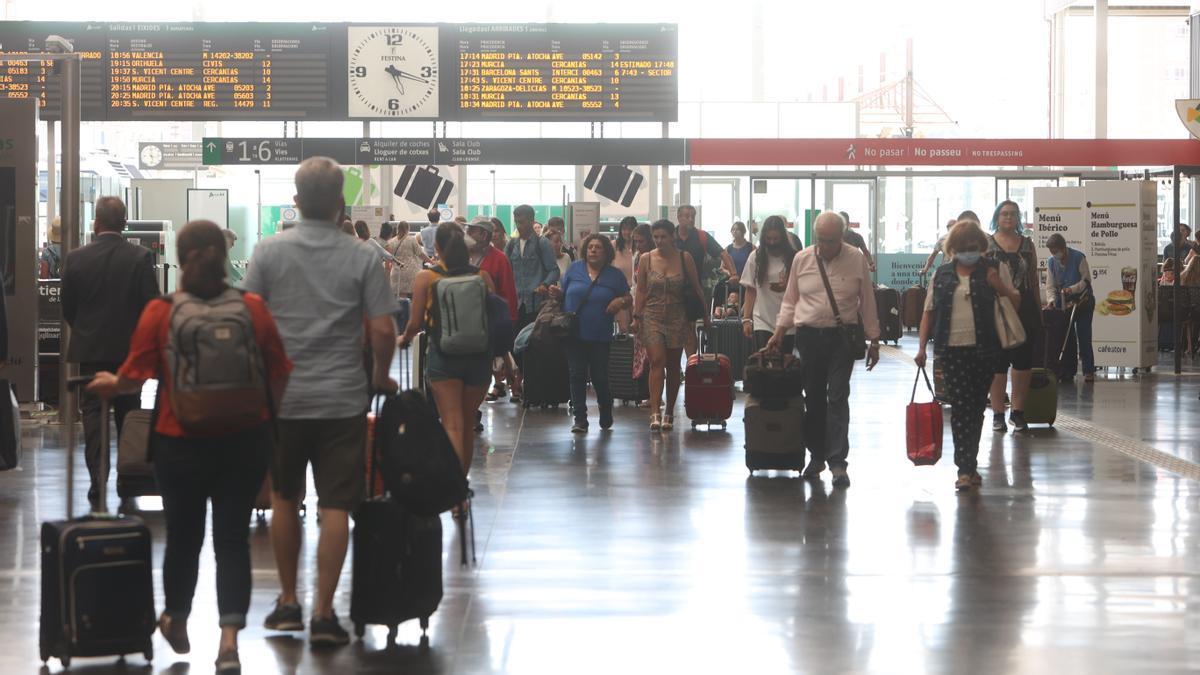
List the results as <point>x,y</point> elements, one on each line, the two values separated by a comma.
<point>151,156</point>
<point>393,71</point>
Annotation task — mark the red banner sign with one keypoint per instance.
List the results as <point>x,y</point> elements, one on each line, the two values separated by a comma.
<point>943,152</point>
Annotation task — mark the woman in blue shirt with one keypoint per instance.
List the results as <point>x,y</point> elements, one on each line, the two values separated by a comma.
<point>740,249</point>
<point>595,291</point>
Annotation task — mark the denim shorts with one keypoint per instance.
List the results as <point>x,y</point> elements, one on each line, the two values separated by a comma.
<point>474,370</point>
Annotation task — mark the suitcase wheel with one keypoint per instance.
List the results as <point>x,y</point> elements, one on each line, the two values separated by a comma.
<point>359,630</point>
<point>391,636</point>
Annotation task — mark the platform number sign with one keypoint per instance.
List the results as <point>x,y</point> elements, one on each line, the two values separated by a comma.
<point>393,71</point>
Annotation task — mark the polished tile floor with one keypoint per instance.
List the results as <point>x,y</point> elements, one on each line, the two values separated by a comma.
<point>644,553</point>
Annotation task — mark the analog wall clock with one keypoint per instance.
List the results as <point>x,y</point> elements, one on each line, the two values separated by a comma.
<point>152,156</point>
<point>393,71</point>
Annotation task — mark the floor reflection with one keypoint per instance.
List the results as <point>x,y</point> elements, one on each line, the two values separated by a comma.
<point>631,551</point>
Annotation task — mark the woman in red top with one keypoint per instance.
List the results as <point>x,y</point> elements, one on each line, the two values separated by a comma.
<point>193,468</point>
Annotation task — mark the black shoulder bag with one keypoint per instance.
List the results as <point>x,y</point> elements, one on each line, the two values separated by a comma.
<point>693,305</point>
<point>856,340</point>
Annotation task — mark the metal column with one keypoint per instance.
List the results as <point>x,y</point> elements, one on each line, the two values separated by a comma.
<point>1101,69</point>
<point>72,229</point>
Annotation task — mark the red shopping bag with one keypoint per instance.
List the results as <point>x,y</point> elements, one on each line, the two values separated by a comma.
<point>924,426</point>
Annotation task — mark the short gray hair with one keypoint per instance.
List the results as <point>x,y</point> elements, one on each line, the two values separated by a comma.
<point>319,188</point>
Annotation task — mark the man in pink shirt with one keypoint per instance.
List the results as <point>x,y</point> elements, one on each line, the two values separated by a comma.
<point>823,345</point>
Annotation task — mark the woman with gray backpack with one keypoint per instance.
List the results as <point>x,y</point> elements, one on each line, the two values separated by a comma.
<point>220,365</point>
<point>450,303</point>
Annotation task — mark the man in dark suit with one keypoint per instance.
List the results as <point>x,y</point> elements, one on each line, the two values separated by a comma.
<point>105,285</point>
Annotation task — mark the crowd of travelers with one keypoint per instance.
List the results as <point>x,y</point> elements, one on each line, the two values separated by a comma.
<point>328,302</point>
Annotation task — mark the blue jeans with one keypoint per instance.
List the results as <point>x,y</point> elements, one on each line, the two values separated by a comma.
<point>1079,342</point>
<point>584,357</point>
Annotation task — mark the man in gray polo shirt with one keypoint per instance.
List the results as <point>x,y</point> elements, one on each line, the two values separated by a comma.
<point>320,285</point>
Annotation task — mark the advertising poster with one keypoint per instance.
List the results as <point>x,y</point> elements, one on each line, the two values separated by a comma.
<point>901,270</point>
<point>373,215</point>
<point>1058,210</point>
<point>1121,219</point>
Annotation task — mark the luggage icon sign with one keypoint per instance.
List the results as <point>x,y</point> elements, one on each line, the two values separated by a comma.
<point>423,186</point>
<point>616,183</point>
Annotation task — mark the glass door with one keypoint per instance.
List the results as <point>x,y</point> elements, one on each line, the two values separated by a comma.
<point>857,198</point>
<point>1020,190</point>
<point>719,202</point>
<point>789,198</point>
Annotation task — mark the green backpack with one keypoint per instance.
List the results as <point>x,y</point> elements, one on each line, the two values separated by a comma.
<point>459,312</point>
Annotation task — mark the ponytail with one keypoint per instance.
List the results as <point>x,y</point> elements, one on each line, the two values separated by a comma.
<point>452,246</point>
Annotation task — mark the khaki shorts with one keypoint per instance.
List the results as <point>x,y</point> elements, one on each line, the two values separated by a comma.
<point>337,450</point>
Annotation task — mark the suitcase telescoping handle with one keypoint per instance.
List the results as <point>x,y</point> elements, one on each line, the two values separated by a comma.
<point>73,386</point>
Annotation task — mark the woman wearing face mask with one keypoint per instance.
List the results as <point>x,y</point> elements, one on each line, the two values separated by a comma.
<point>1018,257</point>
<point>1071,290</point>
<point>765,280</point>
<point>623,247</point>
<point>959,316</point>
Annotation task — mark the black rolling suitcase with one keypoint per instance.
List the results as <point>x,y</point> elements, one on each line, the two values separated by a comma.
<point>97,587</point>
<point>620,372</point>
<point>726,337</point>
<point>135,470</point>
<point>545,378</point>
<point>1047,343</point>
<point>887,303</point>
<point>397,565</point>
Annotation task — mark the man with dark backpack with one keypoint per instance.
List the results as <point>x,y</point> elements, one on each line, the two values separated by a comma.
<point>320,285</point>
<point>701,247</point>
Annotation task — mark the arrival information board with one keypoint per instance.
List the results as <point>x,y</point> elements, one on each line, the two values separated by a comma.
<point>324,71</point>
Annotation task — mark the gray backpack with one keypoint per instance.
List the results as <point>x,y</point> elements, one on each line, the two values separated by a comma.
<point>217,381</point>
<point>459,313</point>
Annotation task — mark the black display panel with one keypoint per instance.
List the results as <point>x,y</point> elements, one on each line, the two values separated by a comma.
<point>337,71</point>
<point>560,72</point>
<point>184,71</point>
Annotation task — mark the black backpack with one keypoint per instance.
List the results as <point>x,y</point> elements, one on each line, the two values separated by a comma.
<point>420,468</point>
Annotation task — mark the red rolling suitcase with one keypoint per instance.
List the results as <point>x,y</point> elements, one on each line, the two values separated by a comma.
<point>708,392</point>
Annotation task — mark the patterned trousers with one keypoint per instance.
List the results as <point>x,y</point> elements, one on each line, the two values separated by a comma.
<point>968,376</point>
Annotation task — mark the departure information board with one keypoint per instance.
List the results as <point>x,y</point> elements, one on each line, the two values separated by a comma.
<point>564,71</point>
<point>323,71</point>
<point>220,71</point>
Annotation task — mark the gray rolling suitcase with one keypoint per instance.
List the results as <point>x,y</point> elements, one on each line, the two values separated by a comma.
<point>774,434</point>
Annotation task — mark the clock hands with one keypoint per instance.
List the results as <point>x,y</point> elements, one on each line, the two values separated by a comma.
<point>398,77</point>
